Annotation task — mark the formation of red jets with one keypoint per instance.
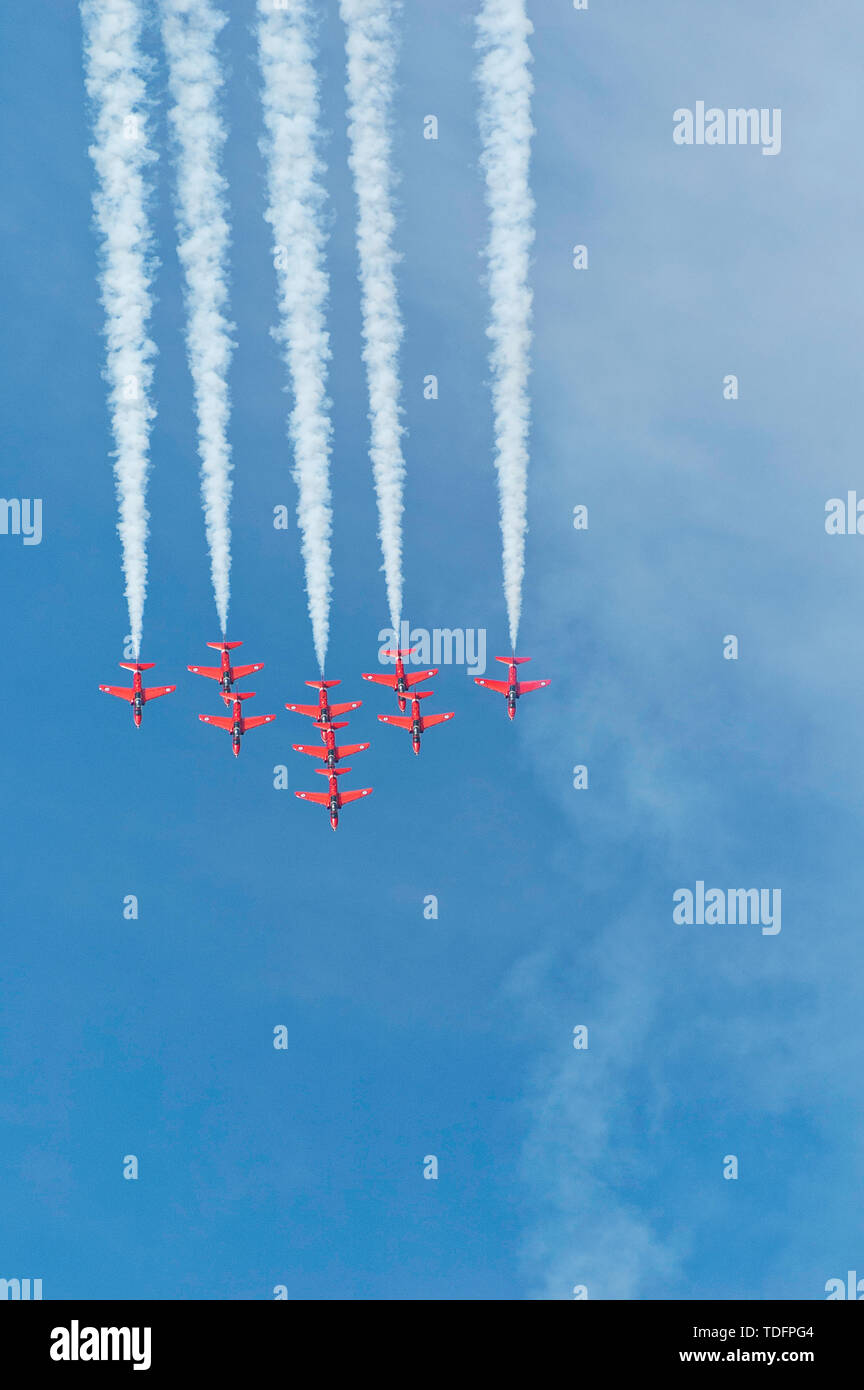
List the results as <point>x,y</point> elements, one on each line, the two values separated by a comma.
<point>323,714</point>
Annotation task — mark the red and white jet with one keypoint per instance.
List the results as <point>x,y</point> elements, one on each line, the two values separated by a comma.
<point>225,673</point>
<point>330,753</point>
<point>512,687</point>
<point>333,798</point>
<point>324,711</point>
<point>417,723</point>
<point>400,682</point>
<point>236,724</point>
<point>137,697</point>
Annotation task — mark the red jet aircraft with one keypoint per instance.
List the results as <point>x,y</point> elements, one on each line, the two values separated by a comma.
<point>329,753</point>
<point>324,710</point>
<point>226,674</point>
<point>512,687</point>
<point>137,697</point>
<point>417,723</point>
<point>399,682</point>
<point>333,798</point>
<point>236,725</point>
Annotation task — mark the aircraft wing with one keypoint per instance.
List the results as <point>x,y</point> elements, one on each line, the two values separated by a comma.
<point>351,748</point>
<point>345,797</point>
<point>500,686</point>
<point>401,721</point>
<point>254,720</point>
<point>525,687</point>
<point>312,710</point>
<point>430,719</point>
<point>241,671</point>
<point>219,720</point>
<point>313,751</point>
<point>320,798</point>
<point>381,679</point>
<point>345,709</point>
<point>156,690</point>
<point>120,691</point>
<point>212,673</point>
<point>417,676</point>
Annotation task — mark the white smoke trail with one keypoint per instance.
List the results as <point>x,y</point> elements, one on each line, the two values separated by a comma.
<point>371,50</point>
<point>295,178</point>
<point>504,75</point>
<point>115,79</point>
<point>189,32</point>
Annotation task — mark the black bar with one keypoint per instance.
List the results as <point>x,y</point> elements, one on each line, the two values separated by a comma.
<point>216,1339</point>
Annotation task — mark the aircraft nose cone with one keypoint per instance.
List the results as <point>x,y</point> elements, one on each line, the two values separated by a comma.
<point>235,749</point>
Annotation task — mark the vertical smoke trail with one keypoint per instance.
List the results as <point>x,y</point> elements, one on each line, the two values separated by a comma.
<point>189,32</point>
<point>504,76</point>
<point>371,50</point>
<point>295,175</point>
<point>114,73</point>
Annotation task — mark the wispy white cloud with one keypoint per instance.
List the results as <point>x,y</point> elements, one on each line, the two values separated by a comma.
<point>705,519</point>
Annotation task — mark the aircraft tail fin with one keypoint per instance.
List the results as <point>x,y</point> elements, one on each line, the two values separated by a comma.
<point>513,660</point>
<point>322,685</point>
<point>224,646</point>
<point>400,651</point>
<point>332,772</point>
<point>137,665</point>
<point>420,694</point>
<point>240,695</point>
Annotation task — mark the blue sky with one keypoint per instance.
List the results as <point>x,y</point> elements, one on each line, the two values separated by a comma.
<point>410,1037</point>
